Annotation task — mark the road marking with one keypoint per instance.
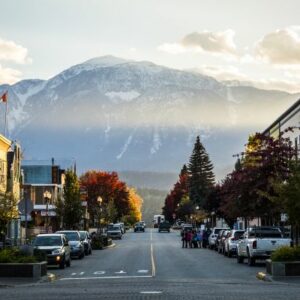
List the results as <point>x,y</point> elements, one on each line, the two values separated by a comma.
<point>81,273</point>
<point>73,274</point>
<point>121,272</point>
<point>151,292</point>
<point>99,273</point>
<point>151,237</point>
<point>105,277</point>
<point>152,262</point>
<point>142,271</point>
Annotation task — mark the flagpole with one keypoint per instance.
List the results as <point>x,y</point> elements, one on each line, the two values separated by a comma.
<point>5,125</point>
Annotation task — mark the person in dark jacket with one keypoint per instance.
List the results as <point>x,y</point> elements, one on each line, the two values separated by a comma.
<point>204,238</point>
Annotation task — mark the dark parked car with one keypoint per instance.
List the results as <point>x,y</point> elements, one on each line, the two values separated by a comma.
<point>55,247</point>
<point>77,248</point>
<point>164,226</point>
<point>87,242</point>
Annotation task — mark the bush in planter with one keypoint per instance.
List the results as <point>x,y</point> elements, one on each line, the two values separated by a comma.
<point>286,253</point>
<point>14,255</point>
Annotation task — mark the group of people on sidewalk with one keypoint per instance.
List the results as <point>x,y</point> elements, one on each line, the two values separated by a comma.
<point>194,238</point>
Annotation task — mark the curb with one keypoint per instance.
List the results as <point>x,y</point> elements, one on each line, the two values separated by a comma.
<point>112,245</point>
<point>262,276</point>
<point>51,277</point>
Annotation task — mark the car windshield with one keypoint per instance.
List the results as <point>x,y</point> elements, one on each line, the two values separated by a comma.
<point>238,234</point>
<point>217,230</point>
<point>48,241</point>
<point>72,236</point>
<point>265,234</point>
<point>82,235</point>
<point>113,227</point>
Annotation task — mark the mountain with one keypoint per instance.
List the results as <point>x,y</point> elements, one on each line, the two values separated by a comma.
<point>115,114</point>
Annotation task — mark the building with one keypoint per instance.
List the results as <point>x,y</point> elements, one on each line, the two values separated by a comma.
<point>42,187</point>
<point>10,184</point>
<point>290,118</point>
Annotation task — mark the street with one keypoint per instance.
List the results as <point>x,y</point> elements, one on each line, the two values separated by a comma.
<point>153,265</point>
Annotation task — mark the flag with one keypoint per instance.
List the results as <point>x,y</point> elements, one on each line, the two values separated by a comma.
<point>4,97</point>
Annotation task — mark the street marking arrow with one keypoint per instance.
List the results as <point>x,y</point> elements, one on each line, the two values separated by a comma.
<point>143,271</point>
<point>121,272</point>
<point>73,274</point>
<point>99,273</point>
<point>81,273</point>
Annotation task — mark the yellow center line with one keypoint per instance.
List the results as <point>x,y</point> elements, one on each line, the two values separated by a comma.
<point>152,262</point>
<point>152,255</point>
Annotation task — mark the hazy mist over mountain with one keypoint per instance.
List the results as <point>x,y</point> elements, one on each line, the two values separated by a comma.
<point>115,114</point>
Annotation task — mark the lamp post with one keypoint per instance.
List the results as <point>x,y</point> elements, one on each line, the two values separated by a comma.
<point>47,197</point>
<point>99,201</point>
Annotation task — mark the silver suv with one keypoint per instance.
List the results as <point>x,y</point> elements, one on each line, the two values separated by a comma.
<point>55,247</point>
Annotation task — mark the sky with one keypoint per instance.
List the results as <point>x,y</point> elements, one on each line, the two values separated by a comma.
<point>257,42</point>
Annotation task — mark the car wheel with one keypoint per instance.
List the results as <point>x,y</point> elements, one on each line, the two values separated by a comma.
<point>239,259</point>
<point>90,251</point>
<point>251,260</point>
<point>68,262</point>
<point>62,264</point>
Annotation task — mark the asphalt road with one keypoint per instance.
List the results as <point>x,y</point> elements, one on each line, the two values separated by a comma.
<point>153,265</point>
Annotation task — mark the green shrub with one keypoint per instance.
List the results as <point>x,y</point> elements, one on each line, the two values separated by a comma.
<point>286,253</point>
<point>13,255</point>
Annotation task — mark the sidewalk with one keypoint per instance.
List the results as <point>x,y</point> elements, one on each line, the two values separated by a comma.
<point>18,281</point>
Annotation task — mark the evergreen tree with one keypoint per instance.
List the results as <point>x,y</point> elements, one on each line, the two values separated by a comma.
<point>201,176</point>
<point>73,210</point>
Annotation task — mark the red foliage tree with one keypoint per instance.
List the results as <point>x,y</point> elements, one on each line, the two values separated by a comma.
<point>174,197</point>
<point>108,187</point>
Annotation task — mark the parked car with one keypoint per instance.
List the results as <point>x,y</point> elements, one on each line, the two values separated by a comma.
<point>114,231</point>
<point>56,248</point>
<point>213,236</point>
<point>122,227</point>
<point>139,226</point>
<point>77,248</point>
<point>231,241</point>
<point>259,243</point>
<point>220,243</point>
<point>164,226</point>
<point>87,242</point>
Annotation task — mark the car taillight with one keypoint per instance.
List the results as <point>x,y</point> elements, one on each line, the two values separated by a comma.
<point>254,244</point>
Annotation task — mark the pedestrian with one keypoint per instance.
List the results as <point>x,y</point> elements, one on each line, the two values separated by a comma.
<point>189,237</point>
<point>184,239</point>
<point>199,239</point>
<point>194,239</point>
<point>204,238</point>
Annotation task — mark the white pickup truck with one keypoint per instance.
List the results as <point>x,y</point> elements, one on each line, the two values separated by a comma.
<point>259,243</point>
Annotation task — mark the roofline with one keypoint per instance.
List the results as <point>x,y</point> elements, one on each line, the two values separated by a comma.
<point>5,140</point>
<point>282,116</point>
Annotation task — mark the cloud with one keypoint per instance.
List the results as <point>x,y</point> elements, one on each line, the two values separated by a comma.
<point>289,83</point>
<point>10,51</point>
<point>280,47</point>
<point>9,76</point>
<point>220,42</point>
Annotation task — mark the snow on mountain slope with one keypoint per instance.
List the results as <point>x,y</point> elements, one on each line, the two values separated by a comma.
<point>128,115</point>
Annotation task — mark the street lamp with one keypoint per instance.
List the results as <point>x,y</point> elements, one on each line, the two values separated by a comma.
<point>99,201</point>
<point>47,196</point>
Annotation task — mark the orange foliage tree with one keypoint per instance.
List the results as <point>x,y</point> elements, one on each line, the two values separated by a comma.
<point>109,187</point>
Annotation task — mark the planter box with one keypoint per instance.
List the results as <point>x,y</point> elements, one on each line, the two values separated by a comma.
<point>34,270</point>
<point>283,268</point>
